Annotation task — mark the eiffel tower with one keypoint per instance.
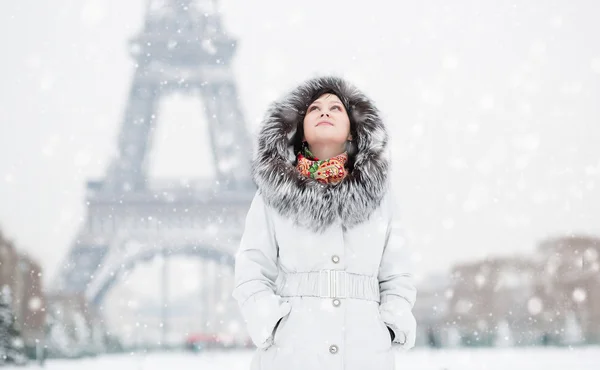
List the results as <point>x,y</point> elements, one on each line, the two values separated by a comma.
<point>181,49</point>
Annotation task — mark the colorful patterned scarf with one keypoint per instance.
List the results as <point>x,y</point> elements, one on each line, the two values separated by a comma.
<point>327,171</point>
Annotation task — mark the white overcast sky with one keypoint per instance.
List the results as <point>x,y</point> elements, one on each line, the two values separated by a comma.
<point>493,109</point>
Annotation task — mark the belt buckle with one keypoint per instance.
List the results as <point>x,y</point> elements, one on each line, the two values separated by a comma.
<point>336,283</point>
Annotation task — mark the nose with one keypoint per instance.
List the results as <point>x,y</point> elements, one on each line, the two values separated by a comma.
<point>324,114</point>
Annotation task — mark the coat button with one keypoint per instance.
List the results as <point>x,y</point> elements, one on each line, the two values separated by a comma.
<point>335,259</point>
<point>336,302</point>
<point>333,349</point>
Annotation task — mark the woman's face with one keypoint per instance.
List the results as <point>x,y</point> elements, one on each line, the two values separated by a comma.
<point>326,122</point>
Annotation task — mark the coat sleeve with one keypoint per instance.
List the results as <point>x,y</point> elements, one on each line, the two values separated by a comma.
<point>396,280</point>
<point>255,273</point>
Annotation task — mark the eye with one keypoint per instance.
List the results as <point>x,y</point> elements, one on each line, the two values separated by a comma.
<point>312,108</point>
<point>337,107</point>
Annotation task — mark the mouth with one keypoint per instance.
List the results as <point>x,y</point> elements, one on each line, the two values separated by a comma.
<point>321,123</point>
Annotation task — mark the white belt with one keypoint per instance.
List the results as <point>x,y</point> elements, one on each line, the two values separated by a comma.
<point>328,284</point>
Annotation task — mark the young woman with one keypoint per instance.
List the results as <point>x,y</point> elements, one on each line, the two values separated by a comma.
<point>323,275</point>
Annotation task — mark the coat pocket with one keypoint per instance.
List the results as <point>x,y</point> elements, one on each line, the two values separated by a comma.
<point>386,336</point>
<point>279,329</point>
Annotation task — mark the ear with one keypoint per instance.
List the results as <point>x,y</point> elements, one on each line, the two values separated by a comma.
<point>349,136</point>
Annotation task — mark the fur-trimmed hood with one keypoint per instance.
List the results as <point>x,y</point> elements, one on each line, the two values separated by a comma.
<point>306,201</point>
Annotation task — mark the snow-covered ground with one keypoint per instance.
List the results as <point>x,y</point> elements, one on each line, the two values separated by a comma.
<point>587,358</point>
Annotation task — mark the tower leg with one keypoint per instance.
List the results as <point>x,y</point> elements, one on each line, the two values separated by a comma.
<point>164,298</point>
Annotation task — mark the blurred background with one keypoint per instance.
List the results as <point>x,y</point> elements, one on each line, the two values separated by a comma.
<point>126,128</point>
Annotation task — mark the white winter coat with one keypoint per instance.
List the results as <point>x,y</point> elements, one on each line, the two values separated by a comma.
<point>323,271</point>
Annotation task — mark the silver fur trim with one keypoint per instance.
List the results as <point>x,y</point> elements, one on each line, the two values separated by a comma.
<point>307,202</point>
